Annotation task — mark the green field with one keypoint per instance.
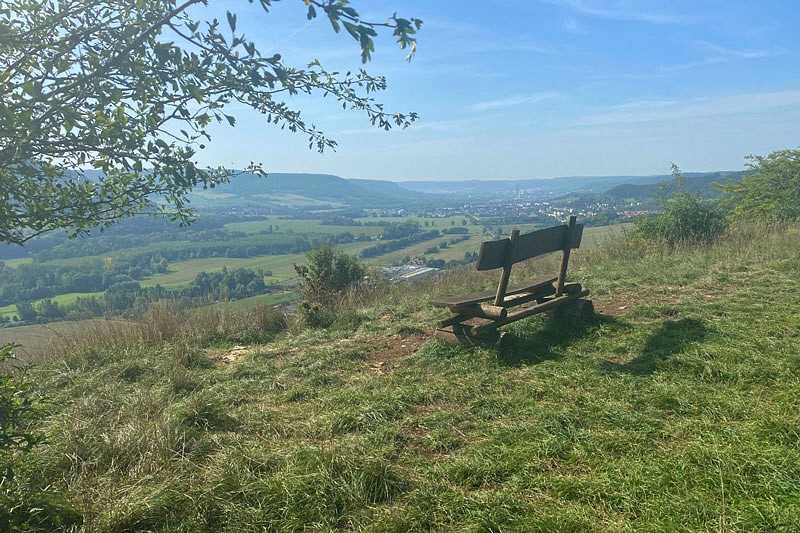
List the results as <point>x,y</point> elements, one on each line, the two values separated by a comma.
<point>315,227</point>
<point>282,266</point>
<point>208,197</point>
<point>182,272</point>
<point>61,299</point>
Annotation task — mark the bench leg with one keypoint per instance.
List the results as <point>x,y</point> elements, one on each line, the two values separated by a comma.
<point>581,309</point>
<point>463,335</point>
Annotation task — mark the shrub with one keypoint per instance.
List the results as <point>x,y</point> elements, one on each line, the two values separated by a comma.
<point>685,220</point>
<point>313,315</point>
<point>328,274</point>
<point>24,506</point>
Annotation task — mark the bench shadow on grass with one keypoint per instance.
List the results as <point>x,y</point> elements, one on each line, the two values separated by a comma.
<point>671,338</point>
<point>526,345</point>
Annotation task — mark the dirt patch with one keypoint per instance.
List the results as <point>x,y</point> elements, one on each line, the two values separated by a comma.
<point>625,303</point>
<point>614,308</point>
<point>233,355</point>
<point>391,350</point>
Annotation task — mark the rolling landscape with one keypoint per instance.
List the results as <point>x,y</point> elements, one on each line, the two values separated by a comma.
<point>267,224</point>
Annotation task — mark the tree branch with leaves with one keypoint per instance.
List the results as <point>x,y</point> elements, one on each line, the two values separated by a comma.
<point>128,88</point>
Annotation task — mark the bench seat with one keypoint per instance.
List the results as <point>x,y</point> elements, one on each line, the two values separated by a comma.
<point>484,296</point>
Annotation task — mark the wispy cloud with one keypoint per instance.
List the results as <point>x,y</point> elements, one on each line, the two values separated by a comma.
<point>460,125</point>
<point>513,101</point>
<point>635,10</point>
<point>720,54</point>
<point>572,26</point>
<point>651,111</point>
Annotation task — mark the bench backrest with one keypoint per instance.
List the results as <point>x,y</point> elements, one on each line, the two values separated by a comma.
<point>506,252</point>
<point>494,254</point>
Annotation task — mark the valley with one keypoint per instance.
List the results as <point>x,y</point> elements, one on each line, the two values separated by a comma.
<point>265,226</point>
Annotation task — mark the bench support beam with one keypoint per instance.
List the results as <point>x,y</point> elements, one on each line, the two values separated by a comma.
<point>534,310</point>
<point>503,285</point>
<point>562,270</point>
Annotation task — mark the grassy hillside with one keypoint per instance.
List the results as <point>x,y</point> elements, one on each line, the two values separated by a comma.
<point>676,408</point>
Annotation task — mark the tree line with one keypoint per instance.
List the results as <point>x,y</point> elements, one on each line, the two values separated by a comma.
<point>126,297</point>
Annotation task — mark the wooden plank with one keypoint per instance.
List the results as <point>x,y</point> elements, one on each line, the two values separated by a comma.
<point>540,242</point>
<point>545,241</point>
<point>492,312</point>
<point>528,246</point>
<point>524,297</point>
<point>485,296</point>
<point>503,285</point>
<point>456,319</point>
<point>463,334</point>
<point>534,310</point>
<point>492,254</point>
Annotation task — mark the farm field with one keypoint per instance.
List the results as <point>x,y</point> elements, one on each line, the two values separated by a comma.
<point>282,225</point>
<point>281,266</point>
<point>61,299</point>
<point>13,263</point>
<point>39,342</point>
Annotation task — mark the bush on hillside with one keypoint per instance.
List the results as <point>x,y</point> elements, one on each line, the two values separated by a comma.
<point>24,506</point>
<point>685,219</point>
<point>328,274</point>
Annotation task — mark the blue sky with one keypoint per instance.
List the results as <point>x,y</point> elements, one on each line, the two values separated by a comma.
<point>541,88</point>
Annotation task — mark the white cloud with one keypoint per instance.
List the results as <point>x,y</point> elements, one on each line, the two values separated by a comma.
<point>572,26</point>
<point>669,110</point>
<point>513,101</point>
<point>634,10</point>
<point>723,55</point>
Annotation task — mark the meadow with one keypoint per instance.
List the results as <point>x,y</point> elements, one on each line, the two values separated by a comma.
<point>674,409</point>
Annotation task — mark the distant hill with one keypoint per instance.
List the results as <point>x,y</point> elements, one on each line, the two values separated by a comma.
<point>561,185</point>
<point>247,188</point>
<point>701,184</point>
<point>317,186</point>
<point>327,189</point>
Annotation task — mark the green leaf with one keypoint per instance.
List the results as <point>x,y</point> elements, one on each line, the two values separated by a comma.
<point>352,29</point>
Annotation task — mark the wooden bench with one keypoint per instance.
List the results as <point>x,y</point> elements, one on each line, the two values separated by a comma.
<point>489,310</point>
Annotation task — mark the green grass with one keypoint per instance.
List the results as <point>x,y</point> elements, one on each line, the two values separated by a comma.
<point>678,412</point>
<point>61,299</point>
<point>282,266</point>
<point>300,226</point>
